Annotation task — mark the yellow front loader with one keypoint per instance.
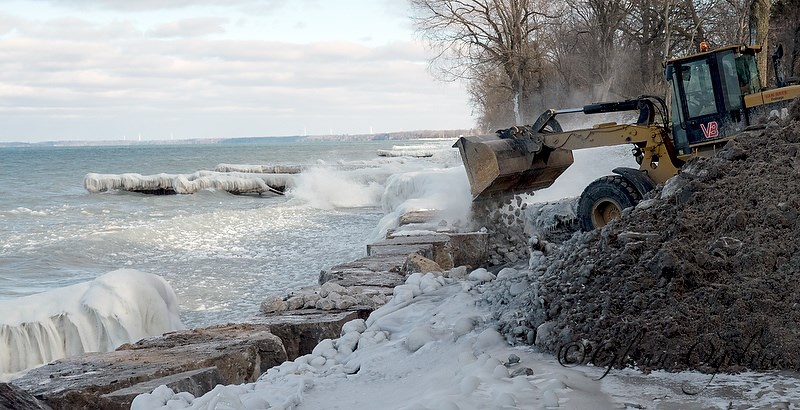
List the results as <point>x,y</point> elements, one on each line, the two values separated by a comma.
<point>715,95</point>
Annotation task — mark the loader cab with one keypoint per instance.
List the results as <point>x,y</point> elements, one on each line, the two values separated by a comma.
<point>708,92</point>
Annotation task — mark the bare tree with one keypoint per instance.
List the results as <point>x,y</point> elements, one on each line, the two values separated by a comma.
<point>596,25</point>
<point>518,54</point>
<point>492,100</point>
<point>474,37</point>
<point>786,31</point>
<point>732,23</point>
<point>759,31</point>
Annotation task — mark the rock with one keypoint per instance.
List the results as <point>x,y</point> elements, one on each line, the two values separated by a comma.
<point>459,273</point>
<point>424,249</point>
<point>326,304</point>
<point>481,275</point>
<point>14,398</point>
<point>236,353</point>
<point>380,299</point>
<point>363,299</point>
<point>301,330</point>
<point>295,303</point>
<point>310,300</point>
<point>417,217</point>
<point>377,271</point>
<point>522,371</point>
<point>469,248</point>
<point>513,359</point>
<point>273,304</point>
<point>346,302</point>
<point>732,152</point>
<point>354,326</point>
<point>331,287</point>
<point>437,242</point>
<point>417,263</point>
<point>194,382</point>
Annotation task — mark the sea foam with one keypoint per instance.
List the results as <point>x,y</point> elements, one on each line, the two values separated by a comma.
<point>119,307</point>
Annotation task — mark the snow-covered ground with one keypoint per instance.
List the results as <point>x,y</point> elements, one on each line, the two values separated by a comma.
<point>433,346</point>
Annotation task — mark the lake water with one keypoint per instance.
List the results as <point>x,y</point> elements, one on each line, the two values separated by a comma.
<point>221,253</point>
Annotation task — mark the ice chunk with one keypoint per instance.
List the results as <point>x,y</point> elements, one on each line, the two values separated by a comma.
<point>481,275</point>
<point>418,338</point>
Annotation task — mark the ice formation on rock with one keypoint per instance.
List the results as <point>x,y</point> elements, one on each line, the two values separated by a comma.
<point>445,190</point>
<point>418,151</point>
<point>259,169</point>
<point>119,307</point>
<point>235,182</point>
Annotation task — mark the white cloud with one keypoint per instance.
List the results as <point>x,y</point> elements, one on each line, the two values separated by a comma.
<point>89,78</point>
<point>149,5</point>
<point>193,27</point>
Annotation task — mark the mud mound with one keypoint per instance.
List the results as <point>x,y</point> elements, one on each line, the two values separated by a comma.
<point>704,273</point>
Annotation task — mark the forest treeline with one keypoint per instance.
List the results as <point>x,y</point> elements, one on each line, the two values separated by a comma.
<point>520,57</point>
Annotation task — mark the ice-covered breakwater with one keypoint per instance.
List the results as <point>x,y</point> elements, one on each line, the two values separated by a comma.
<point>119,307</point>
<point>417,151</point>
<point>233,182</point>
<point>260,169</point>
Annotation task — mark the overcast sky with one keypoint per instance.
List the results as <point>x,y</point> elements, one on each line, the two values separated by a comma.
<point>108,69</point>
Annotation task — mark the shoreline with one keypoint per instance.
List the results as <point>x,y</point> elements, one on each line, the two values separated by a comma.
<point>195,360</point>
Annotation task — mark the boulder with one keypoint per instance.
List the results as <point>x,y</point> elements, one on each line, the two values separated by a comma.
<point>355,276</point>
<point>273,304</point>
<point>470,249</point>
<point>14,398</point>
<point>416,263</point>
<point>388,248</point>
<point>225,354</point>
<point>196,382</point>
<point>302,330</point>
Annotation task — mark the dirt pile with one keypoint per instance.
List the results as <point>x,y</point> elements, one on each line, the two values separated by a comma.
<point>704,273</point>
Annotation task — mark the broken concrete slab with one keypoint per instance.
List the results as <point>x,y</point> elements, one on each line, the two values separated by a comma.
<point>375,263</point>
<point>238,352</point>
<point>196,382</point>
<point>448,249</point>
<point>384,248</point>
<point>418,217</point>
<point>302,330</point>
<point>399,239</point>
<point>468,249</point>
<point>438,242</point>
<point>349,277</point>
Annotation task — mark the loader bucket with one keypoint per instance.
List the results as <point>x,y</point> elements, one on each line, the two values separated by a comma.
<point>503,166</point>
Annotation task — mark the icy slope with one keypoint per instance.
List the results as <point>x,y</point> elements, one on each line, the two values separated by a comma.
<point>430,347</point>
<point>434,347</point>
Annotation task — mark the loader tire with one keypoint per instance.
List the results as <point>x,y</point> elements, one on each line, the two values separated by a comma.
<point>603,201</point>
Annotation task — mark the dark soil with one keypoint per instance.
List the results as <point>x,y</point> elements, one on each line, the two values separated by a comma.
<point>704,273</point>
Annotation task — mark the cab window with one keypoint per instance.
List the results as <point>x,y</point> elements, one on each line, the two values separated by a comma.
<point>698,88</point>
<point>730,82</point>
<point>747,71</point>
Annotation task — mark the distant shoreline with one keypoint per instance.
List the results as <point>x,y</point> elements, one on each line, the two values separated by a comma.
<point>388,136</point>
